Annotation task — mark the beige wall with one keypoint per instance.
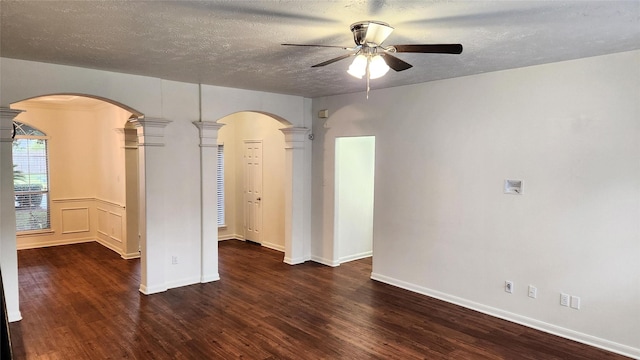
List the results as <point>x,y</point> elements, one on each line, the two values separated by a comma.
<point>86,173</point>
<point>254,126</point>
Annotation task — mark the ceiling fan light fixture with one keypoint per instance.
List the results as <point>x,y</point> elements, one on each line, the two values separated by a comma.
<point>358,67</point>
<point>378,67</point>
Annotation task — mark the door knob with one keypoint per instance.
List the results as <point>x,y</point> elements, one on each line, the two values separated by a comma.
<point>259,199</point>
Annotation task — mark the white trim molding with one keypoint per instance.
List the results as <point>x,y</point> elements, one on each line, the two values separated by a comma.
<point>323,261</point>
<point>23,246</point>
<point>87,217</point>
<point>273,246</point>
<point>150,130</point>
<point>363,255</point>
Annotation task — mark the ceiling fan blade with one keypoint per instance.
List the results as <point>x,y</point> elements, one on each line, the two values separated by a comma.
<point>325,46</point>
<point>395,63</point>
<point>431,48</point>
<point>377,33</point>
<point>333,60</point>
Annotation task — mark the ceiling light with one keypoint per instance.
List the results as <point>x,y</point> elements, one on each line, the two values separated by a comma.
<point>378,67</point>
<point>358,67</point>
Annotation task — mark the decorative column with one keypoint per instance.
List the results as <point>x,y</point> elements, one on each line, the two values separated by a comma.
<point>208,200</point>
<point>151,190</point>
<point>8,252</point>
<point>132,245</point>
<point>294,239</point>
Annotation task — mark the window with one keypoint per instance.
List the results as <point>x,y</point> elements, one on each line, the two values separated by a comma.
<point>220,189</point>
<point>30,178</point>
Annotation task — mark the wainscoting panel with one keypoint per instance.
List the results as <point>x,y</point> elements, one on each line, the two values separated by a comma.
<point>103,221</point>
<point>116,226</point>
<point>111,225</point>
<point>75,220</point>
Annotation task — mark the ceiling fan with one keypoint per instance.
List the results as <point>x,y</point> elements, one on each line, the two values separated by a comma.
<point>373,60</point>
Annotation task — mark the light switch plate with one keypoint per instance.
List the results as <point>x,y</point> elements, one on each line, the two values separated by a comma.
<point>575,302</point>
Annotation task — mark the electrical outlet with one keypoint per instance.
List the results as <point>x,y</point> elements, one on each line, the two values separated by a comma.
<point>508,286</point>
<point>533,291</point>
<point>575,302</point>
<point>564,299</point>
<point>174,260</point>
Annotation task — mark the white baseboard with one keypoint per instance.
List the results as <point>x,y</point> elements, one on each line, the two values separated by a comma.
<point>183,282</point>
<point>231,237</point>
<point>109,246</point>
<point>14,316</point>
<point>518,319</point>
<point>324,261</point>
<point>135,255</point>
<point>148,290</point>
<point>294,261</point>
<point>209,278</point>
<point>41,244</point>
<point>273,246</point>
<point>363,255</point>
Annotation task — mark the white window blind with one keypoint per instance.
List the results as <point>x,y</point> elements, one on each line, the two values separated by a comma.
<point>30,178</point>
<point>220,188</point>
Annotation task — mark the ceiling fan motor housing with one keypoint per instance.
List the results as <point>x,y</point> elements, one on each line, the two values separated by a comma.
<point>360,29</point>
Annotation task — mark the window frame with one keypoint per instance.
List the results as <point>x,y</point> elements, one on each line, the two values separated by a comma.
<point>23,196</point>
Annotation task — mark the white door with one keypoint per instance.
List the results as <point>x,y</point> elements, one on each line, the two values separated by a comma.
<point>253,190</point>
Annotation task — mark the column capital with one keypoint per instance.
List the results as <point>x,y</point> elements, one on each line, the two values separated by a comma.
<point>6,123</point>
<point>128,136</point>
<point>9,113</point>
<point>150,122</point>
<point>150,130</point>
<point>294,136</point>
<point>208,132</point>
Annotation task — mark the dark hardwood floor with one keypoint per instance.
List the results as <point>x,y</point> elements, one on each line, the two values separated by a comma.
<point>82,302</point>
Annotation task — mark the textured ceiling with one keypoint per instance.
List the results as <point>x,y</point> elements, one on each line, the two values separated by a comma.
<point>237,43</point>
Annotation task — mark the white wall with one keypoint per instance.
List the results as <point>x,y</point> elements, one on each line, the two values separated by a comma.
<point>443,227</point>
<point>254,126</point>
<point>354,185</point>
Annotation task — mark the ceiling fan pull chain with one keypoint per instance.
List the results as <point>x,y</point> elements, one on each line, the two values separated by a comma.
<point>368,73</point>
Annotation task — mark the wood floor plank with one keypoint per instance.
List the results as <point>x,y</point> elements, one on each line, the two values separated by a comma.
<point>82,302</point>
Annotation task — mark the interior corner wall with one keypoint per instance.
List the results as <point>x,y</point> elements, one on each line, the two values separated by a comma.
<point>443,225</point>
<point>254,126</point>
<point>110,186</point>
<point>110,122</point>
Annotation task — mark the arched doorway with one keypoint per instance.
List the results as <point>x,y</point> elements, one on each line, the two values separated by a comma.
<point>296,246</point>
<point>171,223</point>
<point>93,193</point>
<point>254,162</point>
<point>78,214</point>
